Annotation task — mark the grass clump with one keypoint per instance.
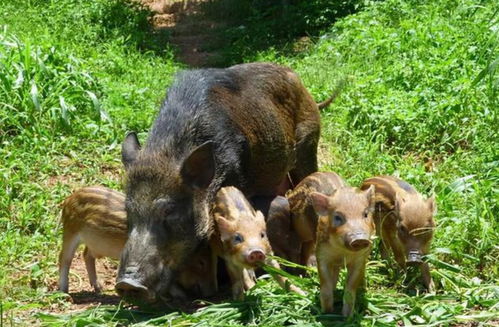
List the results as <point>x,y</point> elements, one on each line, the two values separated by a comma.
<point>43,90</point>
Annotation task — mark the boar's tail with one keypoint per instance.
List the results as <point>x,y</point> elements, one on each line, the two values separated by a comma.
<point>337,90</point>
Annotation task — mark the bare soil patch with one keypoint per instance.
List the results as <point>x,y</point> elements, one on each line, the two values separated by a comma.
<point>81,293</point>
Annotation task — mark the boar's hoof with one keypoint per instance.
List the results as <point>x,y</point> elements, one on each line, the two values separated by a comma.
<point>414,258</point>
<point>130,288</point>
<point>256,256</point>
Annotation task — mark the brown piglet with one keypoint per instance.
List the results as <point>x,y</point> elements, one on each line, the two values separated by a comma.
<point>240,238</point>
<point>292,220</point>
<point>96,217</point>
<point>344,233</point>
<point>404,221</point>
<point>284,240</point>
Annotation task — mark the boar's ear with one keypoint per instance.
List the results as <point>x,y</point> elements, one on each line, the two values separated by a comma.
<point>130,149</point>
<point>198,168</point>
<point>432,204</point>
<point>320,203</point>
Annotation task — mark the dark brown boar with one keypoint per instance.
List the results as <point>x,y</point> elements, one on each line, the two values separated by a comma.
<point>297,208</point>
<point>241,240</point>
<point>344,235</point>
<point>96,217</point>
<point>248,126</point>
<point>404,221</point>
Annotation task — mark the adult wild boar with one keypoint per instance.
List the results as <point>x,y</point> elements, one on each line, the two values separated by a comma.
<point>247,126</point>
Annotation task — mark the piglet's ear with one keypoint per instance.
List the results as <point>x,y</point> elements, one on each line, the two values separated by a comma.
<point>320,203</point>
<point>370,194</point>
<point>198,168</point>
<point>225,227</point>
<point>130,149</point>
<point>260,217</point>
<point>432,204</point>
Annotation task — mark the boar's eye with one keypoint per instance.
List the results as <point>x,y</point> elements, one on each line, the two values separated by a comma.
<point>238,238</point>
<point>338,220</point>
<point>262,234</point>
<point>366,214</point>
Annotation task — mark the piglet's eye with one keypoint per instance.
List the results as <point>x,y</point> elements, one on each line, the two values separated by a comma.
<point>338,220</point>
<point>366,214</point>
<point>238,238</point>
<point>262,234</point>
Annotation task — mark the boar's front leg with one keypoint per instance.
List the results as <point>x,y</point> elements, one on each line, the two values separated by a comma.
<point>355,278</point>
<point>328,277</point>
<point>214,269</point>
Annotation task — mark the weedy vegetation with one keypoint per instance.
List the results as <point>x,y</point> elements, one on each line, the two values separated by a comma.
<point>421,103</point>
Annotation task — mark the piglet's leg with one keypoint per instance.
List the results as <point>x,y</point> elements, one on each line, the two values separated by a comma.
<point>237,278</point>
<point>328,277</point>
<point>382,221</point>
<point>398,252</point>
<point>307,249</point>
<point>249,278</point>
<point>282,280</point>
<point>69,244</point>
<point>427,281</point>
<point>355,278</point>
<point>92,273</point>
<point>383,247</point>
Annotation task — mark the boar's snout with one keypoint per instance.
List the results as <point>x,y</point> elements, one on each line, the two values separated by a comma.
<point>255,256</point>
<point>132,289</point>
<point>129,286</point>
<point>414,258</point>
<point>357,241</point>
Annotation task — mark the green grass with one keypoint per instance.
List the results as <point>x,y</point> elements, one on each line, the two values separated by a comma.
<point>422,103</point>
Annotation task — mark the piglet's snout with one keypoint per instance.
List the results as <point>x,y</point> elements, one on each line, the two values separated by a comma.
<point>414,258</point>
<point>255,256</point>
<point>357,241</point>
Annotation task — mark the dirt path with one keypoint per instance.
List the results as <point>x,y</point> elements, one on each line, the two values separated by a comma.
<point>192,32</point>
